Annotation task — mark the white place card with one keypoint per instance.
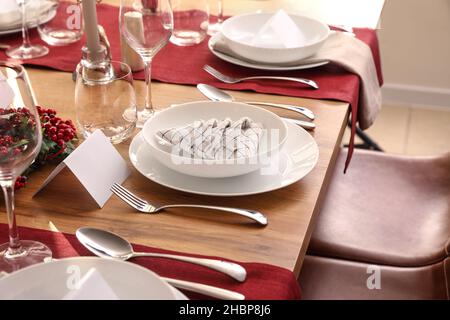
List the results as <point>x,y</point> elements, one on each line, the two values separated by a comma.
<point>97,165</point>
<point>6,92</point>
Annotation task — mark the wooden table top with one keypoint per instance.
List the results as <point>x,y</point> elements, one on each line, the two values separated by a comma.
<point>65,206</point>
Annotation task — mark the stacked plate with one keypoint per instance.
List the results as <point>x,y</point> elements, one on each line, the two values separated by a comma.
<point>285,155</point>
<point>11,19</point>
<point>86,278</point>
<point>270,41</point>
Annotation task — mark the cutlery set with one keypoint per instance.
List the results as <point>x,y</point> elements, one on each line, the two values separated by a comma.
<point>216,94</point>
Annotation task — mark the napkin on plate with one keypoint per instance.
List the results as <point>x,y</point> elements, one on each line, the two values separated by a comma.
<point>348,53</point>
<point>10,15</point>
<point>92,286</point>
<point>214,139</point>
<point>280,31</point>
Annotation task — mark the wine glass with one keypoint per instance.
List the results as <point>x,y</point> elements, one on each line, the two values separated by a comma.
<point>26,50</point>
<point>20,143</point>
<point>215,27</point>
<point>147,27</point>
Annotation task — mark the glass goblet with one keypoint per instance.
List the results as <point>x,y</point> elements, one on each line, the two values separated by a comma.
<point>20,143</point>
<point>26,50</point>
<point>147,27</point>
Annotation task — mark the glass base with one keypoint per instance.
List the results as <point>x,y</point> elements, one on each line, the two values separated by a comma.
<point>187,37</point>
<point>143,116</point>
<point>59,37</point>
<point>115,134</point>
<point>31,252</point>
<point>27,52</point>
<point>214,28</point>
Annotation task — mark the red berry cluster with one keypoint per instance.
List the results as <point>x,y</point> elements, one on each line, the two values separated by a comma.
<point>56,129</point>
<point>5,146</point>
<point>57,140</point>
<point>20,182</point>
<point>13,118</point>
<point>13,128</point>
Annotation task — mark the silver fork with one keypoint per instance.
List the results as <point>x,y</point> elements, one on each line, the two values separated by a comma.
<point>227,79</point>
<point>147,207</point>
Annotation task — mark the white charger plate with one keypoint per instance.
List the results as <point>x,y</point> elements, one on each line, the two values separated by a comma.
<point>261,66</point>
<point>49,280</point>
<point>296,159</point>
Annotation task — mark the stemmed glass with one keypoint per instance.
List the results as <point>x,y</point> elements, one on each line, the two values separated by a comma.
<point>20,142</point>
<point>26,50</point>
<point>213,28</point>
<point>147,27</point>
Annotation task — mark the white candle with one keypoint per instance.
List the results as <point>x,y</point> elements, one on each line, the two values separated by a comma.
<point>91,27</point>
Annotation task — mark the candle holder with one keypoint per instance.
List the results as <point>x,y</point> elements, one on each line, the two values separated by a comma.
<point>95,65</point>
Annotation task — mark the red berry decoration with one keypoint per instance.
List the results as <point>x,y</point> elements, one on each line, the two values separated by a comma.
<point>58,137</point>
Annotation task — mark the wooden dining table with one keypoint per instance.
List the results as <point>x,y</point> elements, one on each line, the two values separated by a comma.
<point>64,205</point>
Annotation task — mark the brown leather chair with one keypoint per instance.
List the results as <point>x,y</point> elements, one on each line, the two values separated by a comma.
<point>390,211</point>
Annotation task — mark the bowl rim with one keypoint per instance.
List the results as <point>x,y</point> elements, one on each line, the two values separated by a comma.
<point>218,161</point>
<point>231,19</point>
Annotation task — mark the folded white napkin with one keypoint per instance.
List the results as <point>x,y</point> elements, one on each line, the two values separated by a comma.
<point>348,53</point>
<point>10,15</point>
<point>92,286</point>
<point>214,139</point>
<point>280,31</point>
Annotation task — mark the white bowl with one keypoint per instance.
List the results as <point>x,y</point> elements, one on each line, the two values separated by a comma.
<point>273,137</point>
<point>238,31</point>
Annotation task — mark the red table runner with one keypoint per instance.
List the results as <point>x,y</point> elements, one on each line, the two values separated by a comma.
<point>183,65</point>
<point>264,282</point>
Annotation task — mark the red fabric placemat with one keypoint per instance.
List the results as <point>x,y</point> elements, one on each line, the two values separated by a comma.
<point>264,282</point>
<point>183,65</point>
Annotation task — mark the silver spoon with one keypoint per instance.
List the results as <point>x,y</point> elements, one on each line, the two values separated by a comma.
<point>116,247</point>
<point>204,289</point>
<point>216,94</point>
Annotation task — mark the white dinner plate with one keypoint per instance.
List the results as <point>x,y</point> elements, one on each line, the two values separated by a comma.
<point>296,159</point>
<point>53,280</point>
<point>259,66</point>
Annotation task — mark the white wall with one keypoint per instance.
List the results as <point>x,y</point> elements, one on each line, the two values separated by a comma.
<point>415,49</point>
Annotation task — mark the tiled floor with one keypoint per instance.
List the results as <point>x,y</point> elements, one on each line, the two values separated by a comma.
<point>411,130</point>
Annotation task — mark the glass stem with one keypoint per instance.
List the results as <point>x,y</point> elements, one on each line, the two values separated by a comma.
<point>148,82</point>
<point>14,242</point>
<point>220,12</point>
<point>25,36</point>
